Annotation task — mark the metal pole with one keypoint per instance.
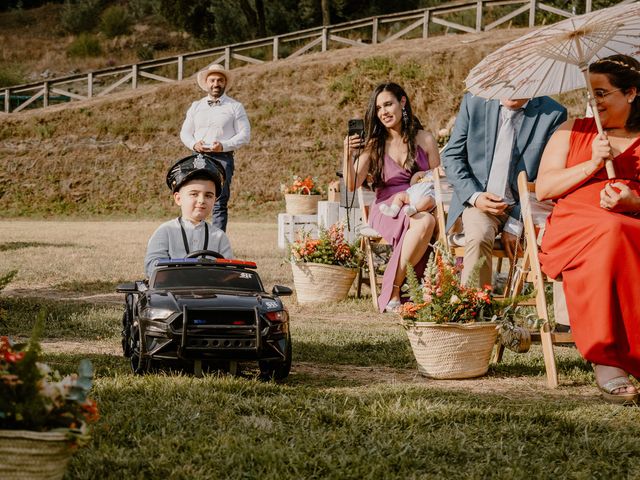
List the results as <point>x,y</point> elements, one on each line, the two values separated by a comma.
<point>134,76</point>
<point>276,46</point>
<point>180,67</point>
<point>90,85</point>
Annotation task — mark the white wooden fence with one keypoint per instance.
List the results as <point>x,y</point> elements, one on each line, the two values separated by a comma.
<point>461,16</point>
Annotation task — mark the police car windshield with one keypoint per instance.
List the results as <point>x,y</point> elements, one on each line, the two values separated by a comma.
<point>207,277</point>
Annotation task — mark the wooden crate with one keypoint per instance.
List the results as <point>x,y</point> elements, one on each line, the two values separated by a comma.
<point>289,225</point>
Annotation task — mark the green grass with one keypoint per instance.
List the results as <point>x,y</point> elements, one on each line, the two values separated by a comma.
<point>63,320</point>
<point>8,246</point>
<point>223,427</point>
<point>326,421</point>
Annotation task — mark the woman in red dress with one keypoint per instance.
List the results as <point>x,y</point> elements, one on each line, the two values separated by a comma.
<point>592,238</point>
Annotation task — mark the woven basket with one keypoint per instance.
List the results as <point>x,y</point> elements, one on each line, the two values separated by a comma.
<point>25,454</point>
<point>452,350</point>
<point>317,282</point>
<point>301,204</point>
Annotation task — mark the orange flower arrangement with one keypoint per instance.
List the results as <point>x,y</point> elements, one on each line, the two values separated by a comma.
<point>300,186</point>
<point>440,297</point>
<point>34,397</point>
<point>330,248</point>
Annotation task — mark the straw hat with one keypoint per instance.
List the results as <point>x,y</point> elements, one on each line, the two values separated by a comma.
<point>213,68</point>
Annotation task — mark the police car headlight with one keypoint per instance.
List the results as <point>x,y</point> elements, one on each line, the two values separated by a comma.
<point>156,313</point>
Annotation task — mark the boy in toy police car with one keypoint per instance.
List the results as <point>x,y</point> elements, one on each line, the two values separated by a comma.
<point>195,181</point>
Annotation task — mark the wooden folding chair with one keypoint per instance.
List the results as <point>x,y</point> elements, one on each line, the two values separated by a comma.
<point>370,239</point>
<point>531,272</point>
<point>443,197</point>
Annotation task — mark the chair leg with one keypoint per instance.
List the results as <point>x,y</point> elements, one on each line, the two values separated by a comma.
<point>497,356</point>
<point>372,272</point>
<point>359,280</point>
<point>549,359</point>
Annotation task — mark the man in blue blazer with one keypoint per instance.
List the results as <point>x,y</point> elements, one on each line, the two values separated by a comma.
<point>491,143</point>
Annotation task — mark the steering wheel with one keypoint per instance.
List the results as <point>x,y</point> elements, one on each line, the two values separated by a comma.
<point>204,253</point>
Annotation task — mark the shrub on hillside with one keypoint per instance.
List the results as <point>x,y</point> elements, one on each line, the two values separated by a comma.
<point>10,75</point>
<point>115,21</point>
<point>86,45</point>
<point>80,16</point>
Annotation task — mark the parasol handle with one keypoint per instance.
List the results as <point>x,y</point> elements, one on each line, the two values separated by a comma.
<point>608,164</point>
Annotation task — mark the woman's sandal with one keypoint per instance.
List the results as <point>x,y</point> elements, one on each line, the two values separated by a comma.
<point>393,306</point>
<point>620,398</point>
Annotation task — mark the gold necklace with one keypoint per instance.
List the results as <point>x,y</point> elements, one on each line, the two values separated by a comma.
<point>624,134</point>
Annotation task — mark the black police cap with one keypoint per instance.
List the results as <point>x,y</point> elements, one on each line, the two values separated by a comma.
<point>197,164</point>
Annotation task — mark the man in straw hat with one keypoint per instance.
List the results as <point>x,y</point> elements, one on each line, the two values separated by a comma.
<point>217,125</point>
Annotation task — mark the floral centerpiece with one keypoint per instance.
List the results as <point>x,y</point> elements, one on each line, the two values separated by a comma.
<point>41,412</point>
<point>301,195</point>
<point>452,327</point>
<point>324,268</point>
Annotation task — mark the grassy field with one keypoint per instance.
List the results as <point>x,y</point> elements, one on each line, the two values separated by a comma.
<point>353,406</point>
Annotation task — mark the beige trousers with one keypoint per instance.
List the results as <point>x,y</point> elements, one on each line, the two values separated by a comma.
<point>480,231</point>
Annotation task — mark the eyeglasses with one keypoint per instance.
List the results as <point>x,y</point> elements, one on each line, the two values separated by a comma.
<point>601,94</point>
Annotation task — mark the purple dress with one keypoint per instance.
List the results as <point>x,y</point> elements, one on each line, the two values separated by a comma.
<point>393,229</point>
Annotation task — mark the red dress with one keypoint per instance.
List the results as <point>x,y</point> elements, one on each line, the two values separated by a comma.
<point>597,252</point>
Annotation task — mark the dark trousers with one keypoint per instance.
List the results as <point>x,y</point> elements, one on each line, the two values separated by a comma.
<point>220,208</point>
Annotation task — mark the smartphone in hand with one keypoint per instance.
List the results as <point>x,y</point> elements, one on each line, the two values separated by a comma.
<point>356,127</point>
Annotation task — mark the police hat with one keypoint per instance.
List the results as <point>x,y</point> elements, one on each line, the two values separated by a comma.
<point>197,164</point>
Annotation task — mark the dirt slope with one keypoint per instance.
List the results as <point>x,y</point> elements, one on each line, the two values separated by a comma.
<point>109,156</point>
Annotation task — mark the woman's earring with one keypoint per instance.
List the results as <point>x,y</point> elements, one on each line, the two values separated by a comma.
<point>405,117</point>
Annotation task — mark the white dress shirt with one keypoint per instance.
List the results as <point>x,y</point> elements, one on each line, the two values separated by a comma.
<point>512,225</point>
<point>225,122</point>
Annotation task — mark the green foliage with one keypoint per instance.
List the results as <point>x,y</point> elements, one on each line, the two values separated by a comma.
<point>145,52</point>
<point>6,279</point>
<point>10,74</point>
<point>142,9</point>
<point>115,21</point>
<point>86,45</point>
<point>80,16</point>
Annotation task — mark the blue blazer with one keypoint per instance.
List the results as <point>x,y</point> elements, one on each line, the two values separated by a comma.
<point>469,153</point>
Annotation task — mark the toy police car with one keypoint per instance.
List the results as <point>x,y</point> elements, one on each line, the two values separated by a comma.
<point>196,311</point>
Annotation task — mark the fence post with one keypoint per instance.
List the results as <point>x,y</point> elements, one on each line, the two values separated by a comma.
<point>180,67</point>
<point>7,100</point>
<point>276,45</point>
<point>425,23</point>
<point>134,76</point>
<point>90,85</point>
<point>45,94</point>
<point>227,57</point>
<point>532,13</point>
<point>374,31</point>
<point>325,39</point>
<point>587,7</point>
<point>479,16</point>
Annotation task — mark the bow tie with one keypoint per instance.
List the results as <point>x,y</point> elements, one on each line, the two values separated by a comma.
<point>213,102</point>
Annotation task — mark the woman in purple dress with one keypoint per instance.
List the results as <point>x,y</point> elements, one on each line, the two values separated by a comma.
<point>395,147</point>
